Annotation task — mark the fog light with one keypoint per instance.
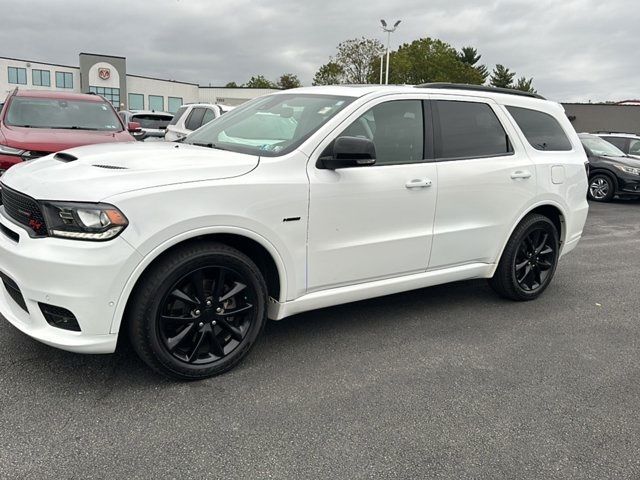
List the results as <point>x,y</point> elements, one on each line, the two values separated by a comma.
<point>59,317</point>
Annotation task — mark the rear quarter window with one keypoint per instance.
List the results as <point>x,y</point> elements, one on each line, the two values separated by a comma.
<point>542,131</point>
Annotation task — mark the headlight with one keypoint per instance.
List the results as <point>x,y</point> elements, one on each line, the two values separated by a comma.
<point>631,170</point>
<point>84,221</point>
<point>5,150</point>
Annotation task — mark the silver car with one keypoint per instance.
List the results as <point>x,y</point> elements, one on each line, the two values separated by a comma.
<point>152,124</point>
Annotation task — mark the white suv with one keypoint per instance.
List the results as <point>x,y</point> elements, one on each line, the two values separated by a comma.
<point>295,201</point>
<point>191,117</point>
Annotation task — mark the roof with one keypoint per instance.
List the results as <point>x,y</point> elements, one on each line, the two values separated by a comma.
<point>87,97</point>
<point>149,112</point>
<point>506,97</point>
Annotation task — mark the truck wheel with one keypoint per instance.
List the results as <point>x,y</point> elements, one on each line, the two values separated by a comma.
<point>529,260</point>
<point>198,311</point>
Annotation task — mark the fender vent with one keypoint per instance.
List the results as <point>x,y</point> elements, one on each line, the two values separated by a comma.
<point>65,157</point>
<point>111,167</point>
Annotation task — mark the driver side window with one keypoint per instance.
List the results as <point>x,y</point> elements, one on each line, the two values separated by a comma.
<point>396,129</point>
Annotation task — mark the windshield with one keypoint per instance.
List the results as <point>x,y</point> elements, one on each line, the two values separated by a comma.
<point>269,126</point>
<point>64,114</point>
<point>152,120</point>
<point>601,147</point>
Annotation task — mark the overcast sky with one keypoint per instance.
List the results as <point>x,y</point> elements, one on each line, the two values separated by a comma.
<point>576,50</point>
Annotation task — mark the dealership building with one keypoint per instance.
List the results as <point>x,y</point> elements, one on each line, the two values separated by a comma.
<point>107,75</point>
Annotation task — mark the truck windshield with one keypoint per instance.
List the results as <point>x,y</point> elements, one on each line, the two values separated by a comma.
<point>269,126</point>
<point>62,114</point>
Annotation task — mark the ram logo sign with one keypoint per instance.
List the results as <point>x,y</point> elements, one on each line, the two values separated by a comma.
<point>104,73</point>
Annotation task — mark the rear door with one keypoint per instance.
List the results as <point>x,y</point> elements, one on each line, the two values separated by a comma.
<point>483,181</point>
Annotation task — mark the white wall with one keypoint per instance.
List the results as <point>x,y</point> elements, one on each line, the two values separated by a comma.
<point>6,87</point>
<point>164,88</point>
<point>94,79</point>
<point>231,96</point>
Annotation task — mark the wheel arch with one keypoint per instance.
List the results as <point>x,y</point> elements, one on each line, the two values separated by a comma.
<point>604,171</point>
<point>549,209</point>
<point>261,251</point>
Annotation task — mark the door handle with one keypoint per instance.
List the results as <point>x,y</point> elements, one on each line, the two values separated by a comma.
<point>418,183</point>
<point>520,174</point>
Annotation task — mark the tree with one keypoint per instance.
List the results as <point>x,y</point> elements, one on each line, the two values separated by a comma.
<point>470,56</point>
<point>356,57</point>
<point>525,84</point>
<point>231,85</point>
<point>289,80</point>
<point>329,74</point>
<point>260,82</point>
<point>430,60</point>
<point>502,77</point>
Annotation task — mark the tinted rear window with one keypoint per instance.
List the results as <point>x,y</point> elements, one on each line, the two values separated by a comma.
<point>469,130</point>
<point>178,115</point>
<point>194,120</point>
<point>541,130</point>
<point>152,120</point>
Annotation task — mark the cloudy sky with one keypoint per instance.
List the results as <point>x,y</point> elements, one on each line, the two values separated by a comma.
<point>576,50</point>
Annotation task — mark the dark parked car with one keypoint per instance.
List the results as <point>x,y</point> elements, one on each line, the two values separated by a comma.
<point>627,142</point>
<point>611,171</point>
<point>36,123</point>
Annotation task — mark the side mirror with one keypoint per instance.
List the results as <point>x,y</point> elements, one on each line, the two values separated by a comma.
<point>348,152</point>
<point>133,127</point>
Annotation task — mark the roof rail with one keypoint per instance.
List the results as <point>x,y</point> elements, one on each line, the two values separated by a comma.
<point>479,88</point>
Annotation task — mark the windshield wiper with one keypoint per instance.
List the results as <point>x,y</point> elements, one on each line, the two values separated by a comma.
<point>208,145</point>
<point>75,127</point>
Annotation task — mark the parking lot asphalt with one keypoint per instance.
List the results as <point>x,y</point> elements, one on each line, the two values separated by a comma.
<point>444,382</point>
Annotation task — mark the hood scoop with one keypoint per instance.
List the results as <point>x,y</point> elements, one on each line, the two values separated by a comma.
<point>111,167</point>
<point>65,157</point>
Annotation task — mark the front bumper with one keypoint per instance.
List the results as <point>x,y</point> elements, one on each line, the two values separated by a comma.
<point>628,184</point>
<point>85,278</point>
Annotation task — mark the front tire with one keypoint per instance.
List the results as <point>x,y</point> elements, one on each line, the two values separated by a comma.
<point>529,260</point>
<point>198,311</point>
<point>601,188</point>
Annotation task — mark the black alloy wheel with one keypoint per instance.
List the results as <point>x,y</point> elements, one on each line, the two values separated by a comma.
<point>198,311</point>
<point>529,260</point>
<point>206,314</point>
<point>535,259</point>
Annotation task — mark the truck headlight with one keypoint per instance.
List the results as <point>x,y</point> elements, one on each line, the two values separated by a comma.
<point>84,221</point>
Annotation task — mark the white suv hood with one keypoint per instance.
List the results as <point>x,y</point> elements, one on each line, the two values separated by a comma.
<point>101,171</point>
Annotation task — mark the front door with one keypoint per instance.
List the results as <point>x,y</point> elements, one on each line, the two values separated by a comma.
<point>374,222</point>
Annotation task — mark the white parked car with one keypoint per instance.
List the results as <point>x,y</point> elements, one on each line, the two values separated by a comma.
<point>295,201</point>
<point>191,117</point>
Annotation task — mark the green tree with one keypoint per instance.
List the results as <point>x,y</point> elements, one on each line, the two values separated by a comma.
<point>289,80</point>
<point>356,58</point>
<point>329,74</point>
<point>430,60</point>
<point>470,56</point>
<point>231,85</point>
<point>260,82</point>
<point>525,84</point>
<point>502,77</point>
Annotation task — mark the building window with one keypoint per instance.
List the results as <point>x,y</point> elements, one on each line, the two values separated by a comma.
<point>64,80</point>
<point>110,94</point>
<point>41,78</point>
<point>174,104</point>
<point>156,102</point>
<point>136,101</point>
<point>18,75</point>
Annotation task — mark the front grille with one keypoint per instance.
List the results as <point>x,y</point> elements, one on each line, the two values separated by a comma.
<point>24,210</point>
<point>33,154</point>
<point>14,291</point>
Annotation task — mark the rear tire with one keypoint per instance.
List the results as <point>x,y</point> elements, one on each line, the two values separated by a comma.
<point>198,311</point>
<point>601,188</point>
<point>529,260</point>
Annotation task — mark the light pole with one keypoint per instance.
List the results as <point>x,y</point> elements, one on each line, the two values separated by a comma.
<point>389,31</point>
